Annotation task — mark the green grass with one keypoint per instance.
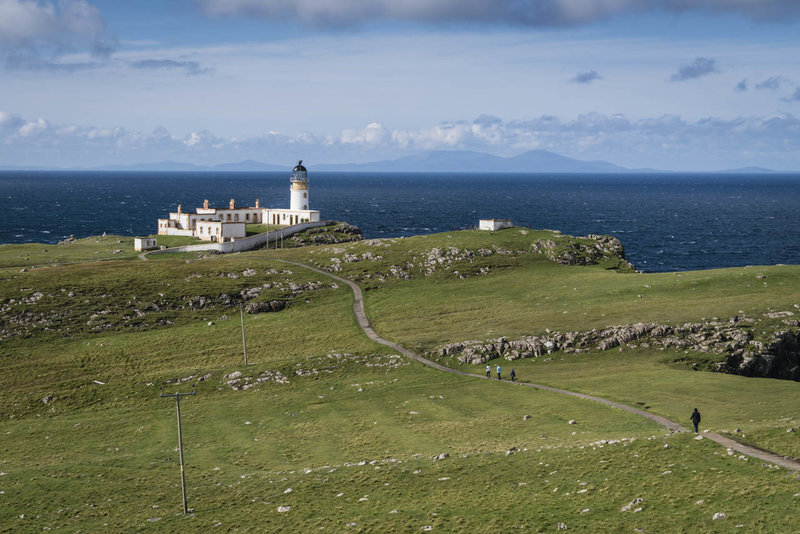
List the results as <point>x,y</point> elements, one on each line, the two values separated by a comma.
<point>253,229</point>
<point>762,408</point>
<point>351,419</point>
<point>81,250</point>
<point>543,295</point>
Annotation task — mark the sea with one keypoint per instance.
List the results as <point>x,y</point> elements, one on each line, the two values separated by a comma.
<point>666,222</point>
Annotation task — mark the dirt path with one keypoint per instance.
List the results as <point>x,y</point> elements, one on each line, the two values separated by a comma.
<point>672,426</point>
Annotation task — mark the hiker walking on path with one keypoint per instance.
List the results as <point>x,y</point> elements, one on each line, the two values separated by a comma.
<point>488,371</point>
<point>499,370</point>
<point>695,419</point>
<point>513,374</point>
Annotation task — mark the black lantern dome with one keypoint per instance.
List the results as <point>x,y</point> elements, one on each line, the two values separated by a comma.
<point>299,173</point>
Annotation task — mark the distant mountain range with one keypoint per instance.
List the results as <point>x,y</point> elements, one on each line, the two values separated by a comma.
<point>533,161</point>
<point>467,161</point>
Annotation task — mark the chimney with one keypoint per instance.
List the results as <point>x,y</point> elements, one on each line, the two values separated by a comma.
<point>205,204</point>
<point>233,204</point>
<point>180,209</point>
<point>257,204</point>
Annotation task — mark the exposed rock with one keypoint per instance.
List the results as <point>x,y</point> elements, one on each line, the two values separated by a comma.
<point>239,382</point>
<point>739,352</point>
<point>265,306</point>
<point>631,504</point>
<point>779,359</point>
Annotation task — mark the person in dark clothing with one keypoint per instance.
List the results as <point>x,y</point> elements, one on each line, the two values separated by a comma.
<point>695,419</point>
<point>513,374</point>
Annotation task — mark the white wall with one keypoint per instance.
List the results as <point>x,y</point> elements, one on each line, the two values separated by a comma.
<point>246,243</point>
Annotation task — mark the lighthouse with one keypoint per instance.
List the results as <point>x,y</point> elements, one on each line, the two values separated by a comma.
<point>299,189</point>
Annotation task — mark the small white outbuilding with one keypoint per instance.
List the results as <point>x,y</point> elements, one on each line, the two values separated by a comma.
<point>144,243</point>
<point>494,224</point>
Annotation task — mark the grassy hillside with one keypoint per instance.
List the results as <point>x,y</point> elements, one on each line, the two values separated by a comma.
<point>343,432</point>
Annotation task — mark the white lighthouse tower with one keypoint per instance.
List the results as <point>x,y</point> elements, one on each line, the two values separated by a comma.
<point>299,190</point>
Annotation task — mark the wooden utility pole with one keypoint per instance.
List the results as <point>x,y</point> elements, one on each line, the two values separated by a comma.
<point>244,342</point>
<point>177,397</point>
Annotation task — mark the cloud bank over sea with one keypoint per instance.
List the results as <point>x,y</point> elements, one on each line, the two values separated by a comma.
<point>588,137</point>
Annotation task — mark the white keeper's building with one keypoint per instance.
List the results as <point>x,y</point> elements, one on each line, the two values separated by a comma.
<point>227,224</point>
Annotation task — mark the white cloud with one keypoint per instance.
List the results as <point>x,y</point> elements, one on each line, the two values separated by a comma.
<point>35,25</point>
<point>373,134</point>
<point>25,21</point>
<point>509,12</point>
<point>32,128</point>
<point>667,142</point>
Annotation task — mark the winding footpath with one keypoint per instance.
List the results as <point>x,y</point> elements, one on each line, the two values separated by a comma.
<point>672,426</point>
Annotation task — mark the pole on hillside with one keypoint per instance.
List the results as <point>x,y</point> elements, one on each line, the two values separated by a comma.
<point>244,342</point>
<point>177,397</point>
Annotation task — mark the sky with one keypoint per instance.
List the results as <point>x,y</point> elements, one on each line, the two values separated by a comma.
<point>681,85</point>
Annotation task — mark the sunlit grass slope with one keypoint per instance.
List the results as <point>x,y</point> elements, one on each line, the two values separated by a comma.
<point>331,431</point>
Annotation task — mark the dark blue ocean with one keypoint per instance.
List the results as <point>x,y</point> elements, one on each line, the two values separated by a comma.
<point>665,221</point>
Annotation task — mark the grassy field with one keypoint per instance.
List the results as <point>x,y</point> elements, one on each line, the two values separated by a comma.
<point>253,229</point>
<point>325,430</point>
<point>81,250</point>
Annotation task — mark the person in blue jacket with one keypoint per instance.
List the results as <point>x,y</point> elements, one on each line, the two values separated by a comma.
<point>499,370</point>
<point>513,375</point>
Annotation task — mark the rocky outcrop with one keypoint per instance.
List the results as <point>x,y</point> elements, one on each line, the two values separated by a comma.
<point>265,307</point>
<point>732,340</point>
<point>778,359</point>
<point>562,249</point>
<point>327,235</point>
<point>577,253</point>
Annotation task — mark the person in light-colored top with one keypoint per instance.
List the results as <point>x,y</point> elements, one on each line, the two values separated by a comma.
<point>488,371</point>
<point>499,370</point>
